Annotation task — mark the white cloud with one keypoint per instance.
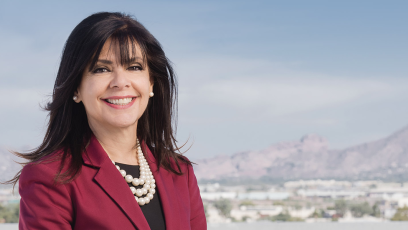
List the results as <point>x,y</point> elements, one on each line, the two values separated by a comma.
<point>245,87</point>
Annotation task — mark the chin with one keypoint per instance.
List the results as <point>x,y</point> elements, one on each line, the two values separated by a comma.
<point>122,122</point>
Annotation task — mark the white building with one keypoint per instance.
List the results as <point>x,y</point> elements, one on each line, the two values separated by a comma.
<point>218,195</point>
<point>264,195</point>
<point>301,213</point>
<point>332,193</point>
<point>255,212</point>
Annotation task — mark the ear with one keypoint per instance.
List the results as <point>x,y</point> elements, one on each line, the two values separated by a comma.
<point>151,85</point>
<point>151,88</point>
<point>77,97</point>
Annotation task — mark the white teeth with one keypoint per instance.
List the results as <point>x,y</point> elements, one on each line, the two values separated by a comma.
<point>123,101</point>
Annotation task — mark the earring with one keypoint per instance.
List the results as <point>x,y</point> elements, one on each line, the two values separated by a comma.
<point>75,98</point>
<point>151,94</point>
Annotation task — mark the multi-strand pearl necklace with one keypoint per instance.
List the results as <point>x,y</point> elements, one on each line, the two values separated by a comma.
<point>146,179</point>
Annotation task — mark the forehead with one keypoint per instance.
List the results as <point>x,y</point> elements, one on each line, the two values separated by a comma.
<point>121,50</point>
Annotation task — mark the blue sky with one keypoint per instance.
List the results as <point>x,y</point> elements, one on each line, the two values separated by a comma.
<point>251,73</point>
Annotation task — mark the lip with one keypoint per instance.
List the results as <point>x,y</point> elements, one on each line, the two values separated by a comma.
<point>118,97</point>
<point>119,106</point>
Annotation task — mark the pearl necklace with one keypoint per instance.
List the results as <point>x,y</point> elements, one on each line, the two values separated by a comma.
<point>146,179</point>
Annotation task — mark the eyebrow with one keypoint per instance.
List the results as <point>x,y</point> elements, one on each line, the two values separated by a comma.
<point>131,60</point>
<point>104,61</point>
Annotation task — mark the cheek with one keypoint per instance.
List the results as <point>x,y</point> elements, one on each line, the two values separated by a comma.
<point>90,93</point>
<point>92,88</point>
<point>142,86</point>
<point>143,89</point>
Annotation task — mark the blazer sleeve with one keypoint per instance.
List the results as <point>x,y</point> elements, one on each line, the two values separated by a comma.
<point>43,205</point>
<point>197,217</point>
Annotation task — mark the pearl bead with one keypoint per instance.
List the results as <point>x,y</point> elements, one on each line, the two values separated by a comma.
<point>153,181</point>
<point>136,182</point>
<point>147,200</point>
<point>146,179</point>
<point>128,178</point>
<point>139,192</point>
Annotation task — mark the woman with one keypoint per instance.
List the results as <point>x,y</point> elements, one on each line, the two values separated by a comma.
<point>108,159</point>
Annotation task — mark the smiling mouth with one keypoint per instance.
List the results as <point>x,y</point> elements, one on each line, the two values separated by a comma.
<point>123,101</point>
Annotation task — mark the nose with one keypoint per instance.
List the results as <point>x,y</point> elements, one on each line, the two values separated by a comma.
<point>119,79</point>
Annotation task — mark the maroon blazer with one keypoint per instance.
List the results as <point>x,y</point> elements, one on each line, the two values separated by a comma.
<point>99,198</point>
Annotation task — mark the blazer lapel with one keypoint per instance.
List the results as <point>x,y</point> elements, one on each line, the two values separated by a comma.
<point>167,193</point>
<point>113,183</point>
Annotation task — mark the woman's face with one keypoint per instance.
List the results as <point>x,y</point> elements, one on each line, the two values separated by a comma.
<point>115,95</point>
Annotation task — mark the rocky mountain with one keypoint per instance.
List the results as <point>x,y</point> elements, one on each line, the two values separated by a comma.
<point>310,158</point>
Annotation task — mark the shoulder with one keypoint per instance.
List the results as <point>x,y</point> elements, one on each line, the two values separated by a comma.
<point>44,204</point>
<point>186,169</point>
<point>184,163</point>
<point>175,163</point>
<point>42,171</point>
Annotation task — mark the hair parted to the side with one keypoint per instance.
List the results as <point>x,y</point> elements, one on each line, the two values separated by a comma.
<point>68,128</point>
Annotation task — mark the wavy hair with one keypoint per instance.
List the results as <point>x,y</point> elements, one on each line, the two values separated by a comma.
<point>68,128</point>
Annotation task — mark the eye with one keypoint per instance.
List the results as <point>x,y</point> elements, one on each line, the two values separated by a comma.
<point>135,68</point>
<point>100,70</point>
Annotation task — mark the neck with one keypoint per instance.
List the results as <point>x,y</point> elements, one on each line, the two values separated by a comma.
<point>118,143</point>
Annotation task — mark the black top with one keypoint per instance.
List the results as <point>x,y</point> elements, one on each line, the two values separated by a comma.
<point>152,211</point>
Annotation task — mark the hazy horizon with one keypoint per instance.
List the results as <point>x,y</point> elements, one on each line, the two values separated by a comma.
<point>251,74</point>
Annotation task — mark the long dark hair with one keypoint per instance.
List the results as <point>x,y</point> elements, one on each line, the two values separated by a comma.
<point>68,128</point>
